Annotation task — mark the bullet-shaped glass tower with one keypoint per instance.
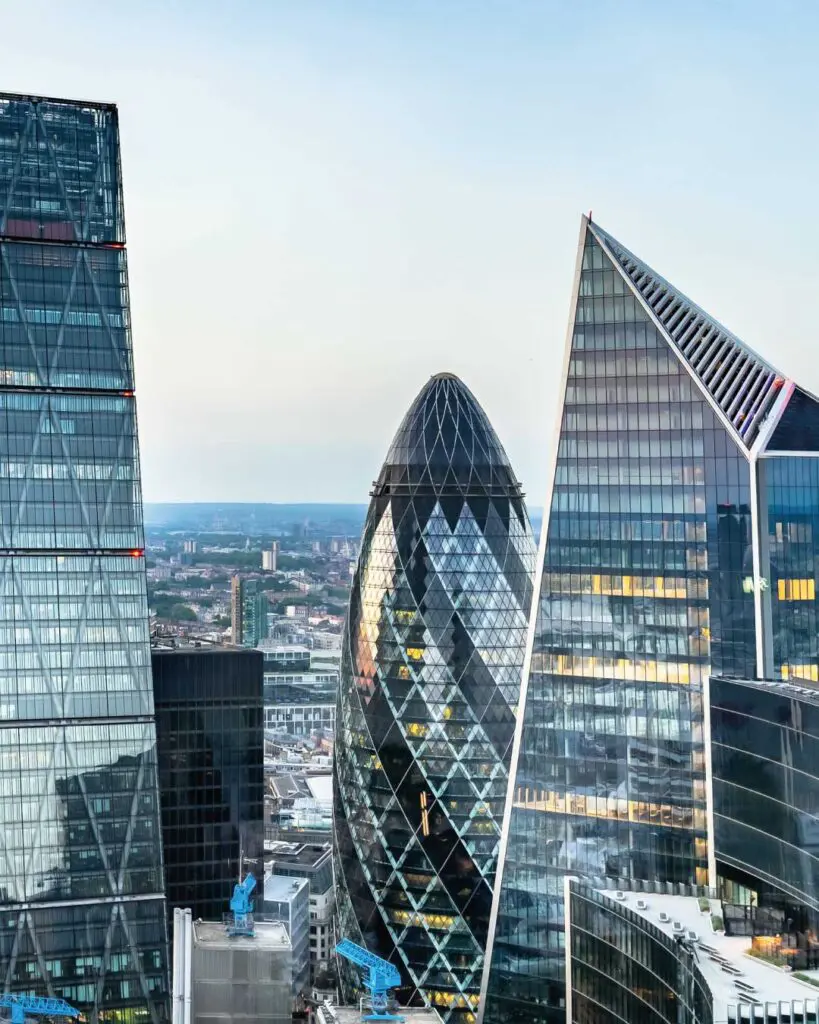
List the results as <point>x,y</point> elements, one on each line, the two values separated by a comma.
<point>431,667</point>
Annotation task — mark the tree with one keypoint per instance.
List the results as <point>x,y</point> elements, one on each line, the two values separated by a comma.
<point>182,613</point>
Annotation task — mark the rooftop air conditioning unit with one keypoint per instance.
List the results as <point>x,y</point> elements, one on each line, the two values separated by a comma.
<point>678,926</point>
<point>619,895</point>
<point>642,905</point>
<point>664,917</point>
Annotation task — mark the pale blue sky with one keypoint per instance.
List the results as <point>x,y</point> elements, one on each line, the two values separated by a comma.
<point>329,201</point>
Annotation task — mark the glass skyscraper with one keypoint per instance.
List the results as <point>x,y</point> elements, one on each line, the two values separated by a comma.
<point>82,911</point>
<point>430,678</point>
<point>678,450</point>
<point>210,736</point>
<point>248,612</point>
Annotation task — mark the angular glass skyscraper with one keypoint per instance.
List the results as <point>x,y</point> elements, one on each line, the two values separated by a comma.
<point>81,887</point>
<point>683,462</point>
<point>431,667</point>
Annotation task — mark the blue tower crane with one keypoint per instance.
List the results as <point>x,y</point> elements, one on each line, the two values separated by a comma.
<point>37,1006</point>
<point>381,976</point>
<point>242,907</point>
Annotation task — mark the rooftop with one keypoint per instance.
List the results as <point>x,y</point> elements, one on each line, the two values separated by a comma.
<point>30,97</point>
<point>294,649</point>
<point>282,888</point>
<point>187,644</point>
<point>321,787</point>
<point>287,787</point>
<point>715,950</point>
<point>269,935</point>
<point>803,689</point>
<point>306,854</point>
<point>352,1014</point>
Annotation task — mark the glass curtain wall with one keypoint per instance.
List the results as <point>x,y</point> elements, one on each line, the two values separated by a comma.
<point>623,968</point>
<point>81,881</point>
<point>211,772</point>
<point>789,499</point>
<point>430,680</point>
<point>649,543</point>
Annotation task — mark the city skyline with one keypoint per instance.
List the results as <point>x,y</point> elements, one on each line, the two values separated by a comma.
<point>404,184</point>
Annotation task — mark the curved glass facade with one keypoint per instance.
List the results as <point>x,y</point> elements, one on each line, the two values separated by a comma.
<point>765,755</point>
<point>81,879</point>
<point>431,668</point>
<point>624,969</point>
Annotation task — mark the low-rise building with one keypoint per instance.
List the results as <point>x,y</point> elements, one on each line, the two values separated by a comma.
<point>312,861</point>
<point>287,899</point>
<point>219,978</point>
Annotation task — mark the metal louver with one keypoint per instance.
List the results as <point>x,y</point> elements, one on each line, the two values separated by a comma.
<point>741,384</point>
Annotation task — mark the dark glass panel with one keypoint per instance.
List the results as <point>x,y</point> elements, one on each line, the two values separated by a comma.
<point>798,427</point>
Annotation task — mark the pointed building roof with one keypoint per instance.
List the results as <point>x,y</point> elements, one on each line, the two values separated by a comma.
<point>741,385</point>
<point>446,440</point>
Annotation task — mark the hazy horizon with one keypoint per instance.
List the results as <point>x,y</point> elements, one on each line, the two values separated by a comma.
<point>326,203</point>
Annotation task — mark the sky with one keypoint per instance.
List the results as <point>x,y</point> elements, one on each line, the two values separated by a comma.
<point>327,202</point>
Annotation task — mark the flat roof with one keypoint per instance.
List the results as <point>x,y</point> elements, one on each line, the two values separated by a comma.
<point>270,935</point>
<point>282,888</point>
<point>286,649</point>
<point>801,689</point>
<point>186,644</point>
<point>306,854</point>
<point>30,97</point>
<point>770,984</point>
<point>321,786</point>
<point>354,1015</point>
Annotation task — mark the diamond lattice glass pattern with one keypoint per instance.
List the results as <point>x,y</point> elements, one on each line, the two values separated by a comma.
<point>59,171</point>
<point>644,588</point>
<point>81,886</point>
<point>431,666</point>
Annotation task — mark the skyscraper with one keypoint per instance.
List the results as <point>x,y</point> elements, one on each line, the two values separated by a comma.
<point>210,735</point>
<point>248,612</point>
<point>677,451</point>
<point>81,886</point>
<point>270,557</point>
<point>431,662</point>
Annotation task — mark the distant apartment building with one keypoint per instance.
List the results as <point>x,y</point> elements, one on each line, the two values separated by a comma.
<point>208,702</point>
<point>270,557</point>
<point>325,641</point>
<point>297,611</point>
<point>248,612</point>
